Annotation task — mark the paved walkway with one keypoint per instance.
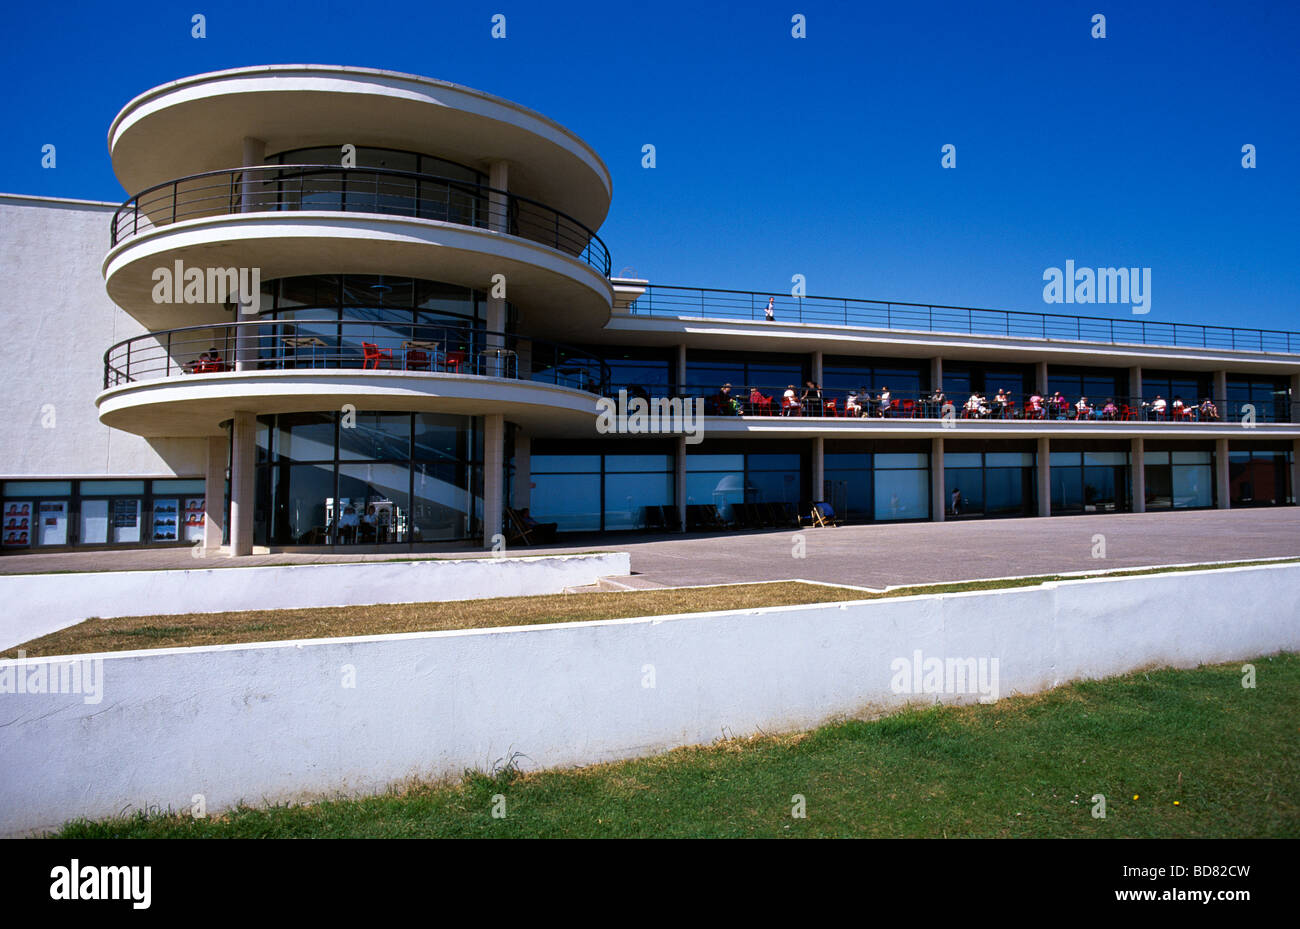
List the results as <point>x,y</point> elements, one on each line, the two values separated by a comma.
<point>870,556</point>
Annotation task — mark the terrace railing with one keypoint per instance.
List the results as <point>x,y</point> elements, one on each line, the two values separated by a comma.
<point>706,303</point>
<point>288,344</point>
<point>263,188</point>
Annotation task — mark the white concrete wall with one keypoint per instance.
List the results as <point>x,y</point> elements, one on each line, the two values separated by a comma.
<point>266,723</point>
<point>53,303</point>
<point>38,604</point>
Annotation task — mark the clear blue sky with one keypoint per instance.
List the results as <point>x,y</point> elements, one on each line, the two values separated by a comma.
<point>817,156</point>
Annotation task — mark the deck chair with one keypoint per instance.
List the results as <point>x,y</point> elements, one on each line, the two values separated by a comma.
<point>822,516</point>
<point>523,528</point>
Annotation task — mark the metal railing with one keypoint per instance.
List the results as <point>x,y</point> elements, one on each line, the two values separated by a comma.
<point>703,302</point>
<point>281,345</point>
<point>770,400</point>
<point>271,188</point>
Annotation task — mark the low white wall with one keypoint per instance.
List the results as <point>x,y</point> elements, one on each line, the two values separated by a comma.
<point>38,604</point>
<point>275,722</point>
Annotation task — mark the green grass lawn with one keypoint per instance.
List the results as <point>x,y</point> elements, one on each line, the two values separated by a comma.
<point>1176,753</point>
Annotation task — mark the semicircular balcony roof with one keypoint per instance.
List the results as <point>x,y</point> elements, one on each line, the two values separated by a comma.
<point>198,124</point>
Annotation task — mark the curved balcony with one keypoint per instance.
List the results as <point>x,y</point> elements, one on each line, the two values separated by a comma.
<point>272,188</point>
<point>200,123</point>
<point>184,382</point>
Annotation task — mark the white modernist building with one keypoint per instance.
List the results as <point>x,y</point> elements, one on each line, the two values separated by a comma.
<point>345,306</point>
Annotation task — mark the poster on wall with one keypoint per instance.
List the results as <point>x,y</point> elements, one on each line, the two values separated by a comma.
<point>126,519</point>
<point>53,522</point>
<point>16,524</point>
<point>193,518</point>
<point>166,518</point>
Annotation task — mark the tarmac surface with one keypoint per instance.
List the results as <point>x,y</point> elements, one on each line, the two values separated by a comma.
<point>865,555</point>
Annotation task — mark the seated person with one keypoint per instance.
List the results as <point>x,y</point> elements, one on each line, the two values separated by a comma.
<point>1180,410</point>
<point>886,403</point>
<point>852,406</point>
<point>1109,411</point>
<point>1158,406</point>
<point>1208,410</point>
<point>370,526</point>
<point>727,404</point>
<point>1082,410</point>
<point>791,406</point>
<point>756,399</point>
<point>349,522</point>
<point>1036,405</point>
<point>541,532</point>
<point>972,407</point>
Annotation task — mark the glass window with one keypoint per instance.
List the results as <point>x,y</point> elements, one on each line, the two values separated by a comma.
<point>126,488</point>
<point>639,463</point>
<point>1065,459</point>
<point>1009,459</point>
<point>1192,485</point>
<point>902,460</point>
<point>963,460</point>
<point>375,435</point>
<point>1191,457</point>
<point>305,437</point>
<point>1105,458</point>
<point>902,494</point>
<point>1156,458</point>
<point>571,500</point>
<point>378,494</point>
<point>172,487</point>
<point>627,496</point>
<point>559,464</point>
<point>715,462</point>
<point>38,488</point>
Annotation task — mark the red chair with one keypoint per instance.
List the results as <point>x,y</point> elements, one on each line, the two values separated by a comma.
<point>830,408</point>
<point>1009,410</point>
<point>454,361</point>
<point>417,360</point>
<point>374,355</point>
<point>907,408</point>
<point>764,406</point>
<point>1127,413</point>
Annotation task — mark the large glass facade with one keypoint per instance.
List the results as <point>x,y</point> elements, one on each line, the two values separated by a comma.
<point>1179,479</point>
<point>877,481</point>
<point>584,490</point>
<point>367,478</point>
<point>989,482</point>
<point>1260,476</point>
<point>1269,396</point>
<point>1092,481</point>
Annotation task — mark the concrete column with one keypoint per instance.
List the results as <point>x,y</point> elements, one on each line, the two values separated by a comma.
<point>679,482</point>
<point>243,496</point>
<point>1040,378</point>
<point>1294,407</point>
<point>681,368</point>
<point>498,221</point>
<point>1220,395</point>
<point>254,153</point>
<point>818,468</point>
<point>1138,471</point>
<point>498,203</point>
<point>936,372</point>
<point>1044,476</point>
<point>494,451</point>
<point>1135,386</point>
<point>938,492</point>
<point>1295,470</point>
<point>251,195</point>
<point>214,492</point>
<point>816,368</point>
<point>523,489</point>
<point>1221,485</point>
